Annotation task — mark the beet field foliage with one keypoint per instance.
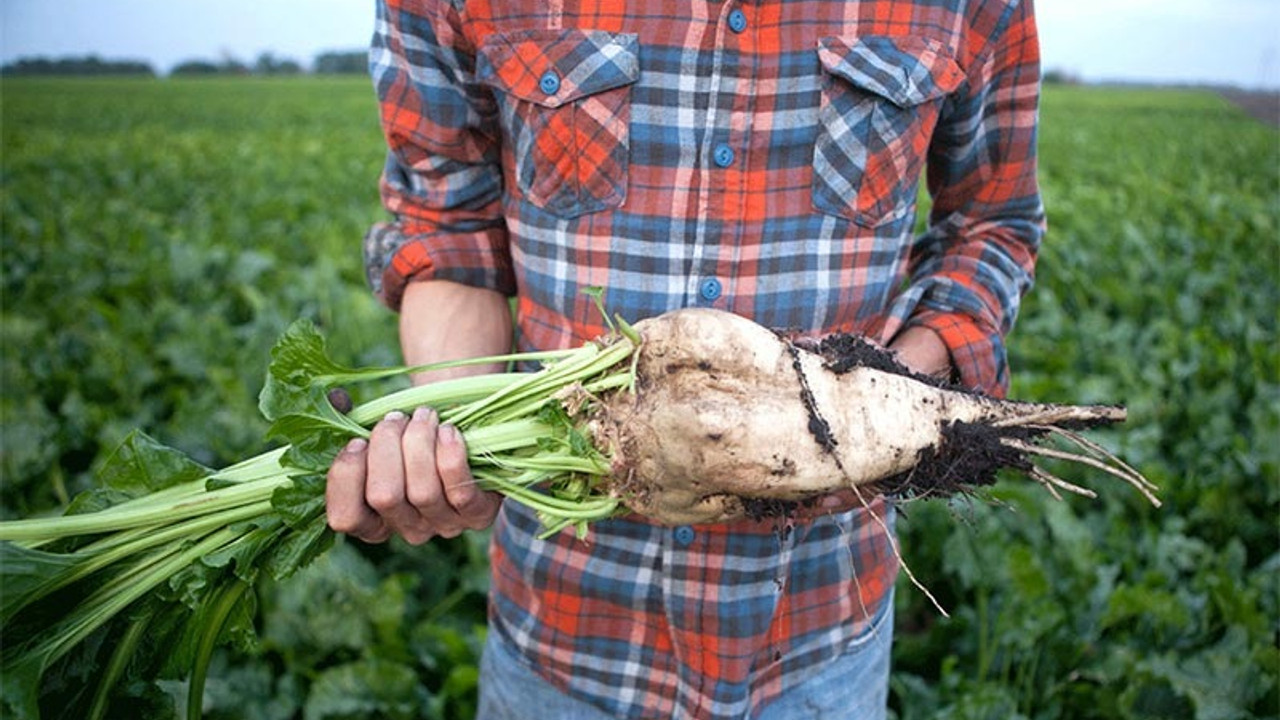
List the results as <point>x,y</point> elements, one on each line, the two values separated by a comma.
<point>158,235</point>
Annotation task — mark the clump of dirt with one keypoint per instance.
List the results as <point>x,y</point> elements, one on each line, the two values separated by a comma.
<point>818,426</point>
<point>844,352</point>
<point>769,508</point>
<point>970,456</point>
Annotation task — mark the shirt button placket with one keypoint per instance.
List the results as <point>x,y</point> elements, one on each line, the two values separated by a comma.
<point>723,157</point>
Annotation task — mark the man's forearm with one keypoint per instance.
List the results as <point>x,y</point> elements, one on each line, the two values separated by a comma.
<point>442,320</point>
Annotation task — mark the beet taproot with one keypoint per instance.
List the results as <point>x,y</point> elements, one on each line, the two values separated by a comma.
<point>724,411</point>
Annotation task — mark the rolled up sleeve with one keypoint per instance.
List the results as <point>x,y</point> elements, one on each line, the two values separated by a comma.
<point>442,182</point>
<point>969,270</point>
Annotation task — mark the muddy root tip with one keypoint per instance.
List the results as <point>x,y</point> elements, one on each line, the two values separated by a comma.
<point>1075,417</point>
<point>1111,413</point>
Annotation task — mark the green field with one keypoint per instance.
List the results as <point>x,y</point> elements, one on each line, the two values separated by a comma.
<point>159,234</point>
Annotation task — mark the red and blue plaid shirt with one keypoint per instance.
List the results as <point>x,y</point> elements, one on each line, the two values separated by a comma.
<point>758,156</point>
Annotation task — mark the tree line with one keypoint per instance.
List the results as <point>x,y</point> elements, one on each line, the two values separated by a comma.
<point>325,63</point>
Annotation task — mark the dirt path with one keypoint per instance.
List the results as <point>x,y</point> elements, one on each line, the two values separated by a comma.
<point>1263,105</point>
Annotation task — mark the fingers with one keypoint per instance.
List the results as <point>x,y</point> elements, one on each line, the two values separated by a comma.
<point>411,478</point>
<point>384,489</point>
<point>441,487</point>
<point>424,491</point>
<point>344,496</point>
<point>473,507</point>
<point>836,502</point>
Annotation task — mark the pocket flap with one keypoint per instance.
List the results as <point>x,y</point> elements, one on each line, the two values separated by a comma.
<point>554,67</point>
<point>905,70</point>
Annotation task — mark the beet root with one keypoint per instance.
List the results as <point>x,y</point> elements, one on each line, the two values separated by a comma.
<point>726,415</point>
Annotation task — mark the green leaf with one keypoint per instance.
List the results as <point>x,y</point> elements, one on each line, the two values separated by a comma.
<point>36,680</point>
<point>121,656</point>
<point>1220,681</point>
<point>209,627</point>
<point>301,501</point>
<point>97,498</point>
<point>313,451</point>
<point>313,414</point>
<point>579,445</point>
<point>1157,608</point>
<point>27,575</point>
<point>458,692</point>
<point>242,556</point>
<point>370,688</point>
<point>298,360</point>
<point>596,293</point>
<point>143,699</point>
<point>323,610</point>
<point>180,637</point>
<point>298,549</point>
<point>314,429</point>
<point>191,585</point>
<point>249,689</point>
<point>139,465</point>
<point>233,562</point>
<point>387,616</point>
<point>917,697</point>
<point>19,691</point>
<point>554,414</point>
<point>301,374</point>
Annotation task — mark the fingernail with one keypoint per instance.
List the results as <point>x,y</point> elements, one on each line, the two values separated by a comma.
<point>450,434</point>
<point>395,416</point>
<point>356,445</point>
<point>423,414</point>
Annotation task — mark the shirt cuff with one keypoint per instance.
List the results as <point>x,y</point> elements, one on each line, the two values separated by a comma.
<point>977,353</point>
<point>394,256</point>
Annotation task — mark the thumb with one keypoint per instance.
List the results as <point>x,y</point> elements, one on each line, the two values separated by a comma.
<point>340,399</point>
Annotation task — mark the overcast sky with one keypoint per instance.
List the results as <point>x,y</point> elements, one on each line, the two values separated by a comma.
<point>1233,42</point>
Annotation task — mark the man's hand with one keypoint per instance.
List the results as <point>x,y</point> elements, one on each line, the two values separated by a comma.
<point>410,478</point>
<point>920,349</point>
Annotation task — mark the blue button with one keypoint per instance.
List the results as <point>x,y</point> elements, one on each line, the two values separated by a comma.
<point>737,21</point>
<point>710,289</point>
<point>549,83</point>
<point>723,155</point>
<point>684,535</point>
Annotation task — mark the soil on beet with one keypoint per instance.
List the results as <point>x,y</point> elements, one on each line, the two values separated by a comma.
<point>970,456</point>
<point>842,352</point>
<point>758,509</point>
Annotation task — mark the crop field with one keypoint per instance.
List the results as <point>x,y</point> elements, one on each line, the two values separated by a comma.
<point>158,235</point>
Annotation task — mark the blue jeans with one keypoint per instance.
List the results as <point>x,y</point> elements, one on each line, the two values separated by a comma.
<point>853,687</point>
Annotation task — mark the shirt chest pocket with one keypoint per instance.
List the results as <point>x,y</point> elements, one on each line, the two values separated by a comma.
<point>881,97</point>
<point>564,100</point>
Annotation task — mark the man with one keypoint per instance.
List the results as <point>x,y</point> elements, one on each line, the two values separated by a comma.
<point>757,156</point>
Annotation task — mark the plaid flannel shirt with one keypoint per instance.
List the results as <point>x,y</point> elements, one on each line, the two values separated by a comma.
<point>759,156</point>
